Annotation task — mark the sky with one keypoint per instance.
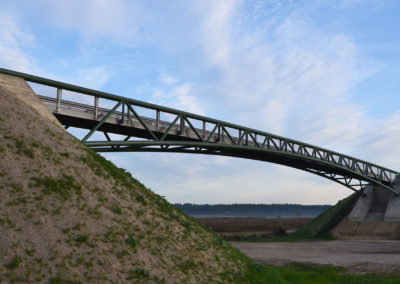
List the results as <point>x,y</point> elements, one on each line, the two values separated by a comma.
<point>322,72</point>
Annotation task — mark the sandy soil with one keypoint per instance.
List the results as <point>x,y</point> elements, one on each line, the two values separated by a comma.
<point>356,255</point>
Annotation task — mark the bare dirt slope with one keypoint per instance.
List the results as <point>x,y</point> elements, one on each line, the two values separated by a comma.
<point>68,214</point>
<point>356,255</point>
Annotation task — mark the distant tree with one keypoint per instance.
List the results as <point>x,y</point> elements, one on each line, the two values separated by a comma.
<point>253,210</point>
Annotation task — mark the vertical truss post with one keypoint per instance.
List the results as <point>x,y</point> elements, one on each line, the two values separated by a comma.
<point>204,129</point>
<point>96,107</point>
<point>59,95</point>
<point>247,138</point>
<point>158,120</point>
<point>182,124</point>
<point>123,113</point>
<point>219,133</point>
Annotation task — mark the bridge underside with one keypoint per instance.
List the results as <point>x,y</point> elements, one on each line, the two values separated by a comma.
<point>175,143</point>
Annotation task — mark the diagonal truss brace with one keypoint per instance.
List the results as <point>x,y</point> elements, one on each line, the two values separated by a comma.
<point>141,121</point>
<point>94,129</point>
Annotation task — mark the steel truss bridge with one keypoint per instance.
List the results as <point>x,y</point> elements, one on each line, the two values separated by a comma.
<point>171,130</point>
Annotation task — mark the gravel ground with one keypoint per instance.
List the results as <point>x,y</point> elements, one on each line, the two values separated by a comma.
<point>357,255</point>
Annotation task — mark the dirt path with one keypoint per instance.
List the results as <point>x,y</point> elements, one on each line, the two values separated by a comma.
<point>356,255</point>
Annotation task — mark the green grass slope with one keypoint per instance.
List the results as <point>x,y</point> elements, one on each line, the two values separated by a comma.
<point>326,221</point>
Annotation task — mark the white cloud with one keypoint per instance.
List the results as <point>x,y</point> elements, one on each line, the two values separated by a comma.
<point>117,19</point>
<point>93,77</point>
<point>380,144</point>
<point>289,77</point>
<point>13,40</point>
<point>216,32</point>
<point>202,179</point>
<point>168,79</point>
<point>179,97</point>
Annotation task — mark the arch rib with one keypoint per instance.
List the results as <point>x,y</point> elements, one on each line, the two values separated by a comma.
<point>226,150</point>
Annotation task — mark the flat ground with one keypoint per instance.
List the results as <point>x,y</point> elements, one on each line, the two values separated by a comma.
<point>356,255</point>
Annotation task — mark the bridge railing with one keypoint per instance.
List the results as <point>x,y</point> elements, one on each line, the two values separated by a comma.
<point>220,132</point>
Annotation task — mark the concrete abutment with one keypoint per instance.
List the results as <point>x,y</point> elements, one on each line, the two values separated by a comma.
<point>376,215</point>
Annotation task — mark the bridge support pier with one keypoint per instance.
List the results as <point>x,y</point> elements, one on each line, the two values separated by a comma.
<point>374,216</point>
<point>377,205</point>
<point>363,205</point>
<point>393,208</point>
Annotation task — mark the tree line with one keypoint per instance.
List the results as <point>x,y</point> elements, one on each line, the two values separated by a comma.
<point>253,210</point>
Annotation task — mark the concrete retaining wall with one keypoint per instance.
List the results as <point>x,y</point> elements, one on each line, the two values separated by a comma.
<point>21,90</point>
<point>375,216</point>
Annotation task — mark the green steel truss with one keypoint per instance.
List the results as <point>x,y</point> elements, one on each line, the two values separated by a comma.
<point>183,132</point>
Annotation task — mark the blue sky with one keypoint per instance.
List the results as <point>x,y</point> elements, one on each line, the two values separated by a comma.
<point>322,72</point>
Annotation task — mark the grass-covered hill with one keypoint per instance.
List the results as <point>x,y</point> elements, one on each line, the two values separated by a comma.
<point>67,214</point>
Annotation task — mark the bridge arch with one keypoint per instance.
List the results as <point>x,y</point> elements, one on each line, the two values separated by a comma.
<point>346,177</point>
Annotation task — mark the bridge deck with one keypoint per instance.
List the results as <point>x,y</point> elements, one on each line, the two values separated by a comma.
<point>125,123</point>
<point>214,137</point>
